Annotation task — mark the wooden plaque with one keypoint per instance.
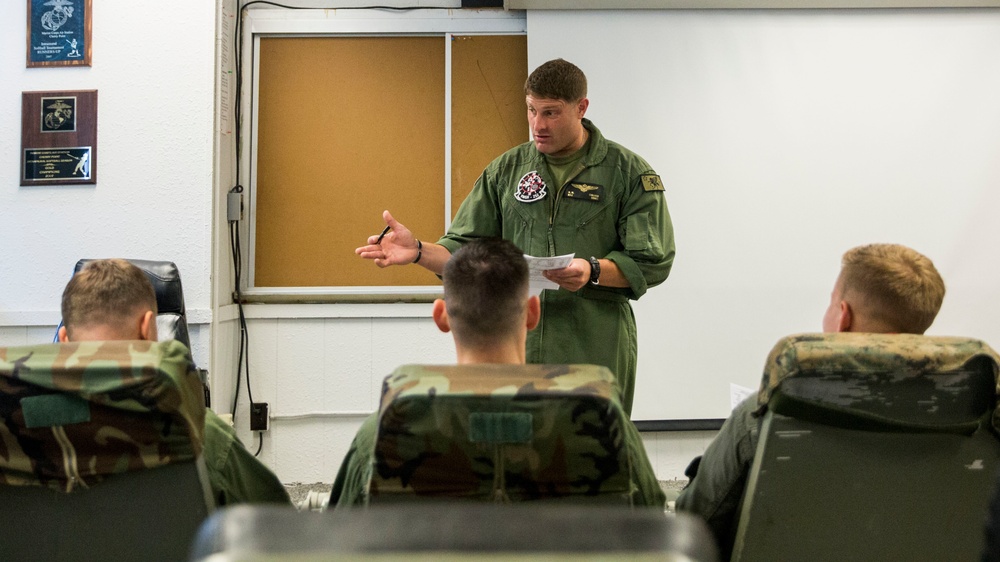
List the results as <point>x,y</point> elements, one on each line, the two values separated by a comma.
<point>59,32</point>
<point>59,137</point>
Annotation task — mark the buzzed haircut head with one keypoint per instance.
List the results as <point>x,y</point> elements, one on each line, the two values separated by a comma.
<point>485,290</point>
<point>558,80</point>
<point>108,293</point>
<point>894,285</point>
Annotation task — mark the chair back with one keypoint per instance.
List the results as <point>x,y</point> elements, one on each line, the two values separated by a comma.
<point>501,433</point>
<point>101,445</point>
<point>872,447</point>
<point>461,531</point>
<point>171,317</point>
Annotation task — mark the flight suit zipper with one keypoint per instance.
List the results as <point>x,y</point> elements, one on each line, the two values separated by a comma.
<point>580,167</point>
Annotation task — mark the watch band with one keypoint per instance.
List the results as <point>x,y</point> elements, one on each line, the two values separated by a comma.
<point>595,271</point>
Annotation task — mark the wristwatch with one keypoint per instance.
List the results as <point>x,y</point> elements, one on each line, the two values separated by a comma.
<point>595,271</point>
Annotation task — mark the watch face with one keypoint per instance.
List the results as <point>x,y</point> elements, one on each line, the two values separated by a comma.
<point>595,270</point>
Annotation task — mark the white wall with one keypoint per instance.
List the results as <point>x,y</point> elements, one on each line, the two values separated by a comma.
<point>785,137</point>
<point>320,369</point>
<point>152,70</point>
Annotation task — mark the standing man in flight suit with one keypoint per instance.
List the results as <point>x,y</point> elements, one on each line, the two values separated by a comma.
<point>567,191</point>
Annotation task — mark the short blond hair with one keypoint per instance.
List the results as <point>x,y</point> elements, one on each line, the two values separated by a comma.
<point>106,293</point>
<point>893,285</point>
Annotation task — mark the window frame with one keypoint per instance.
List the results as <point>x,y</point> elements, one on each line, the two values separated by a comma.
<point>269,22</point>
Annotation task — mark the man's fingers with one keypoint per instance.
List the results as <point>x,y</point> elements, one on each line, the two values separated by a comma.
<point>370,252</point>
<point>387,217</point>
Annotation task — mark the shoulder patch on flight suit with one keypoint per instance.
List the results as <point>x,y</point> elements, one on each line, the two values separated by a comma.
<point>585,191</point>
<point>651,182</point>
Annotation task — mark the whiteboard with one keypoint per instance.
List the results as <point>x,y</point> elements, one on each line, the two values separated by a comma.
<point>785,138</point>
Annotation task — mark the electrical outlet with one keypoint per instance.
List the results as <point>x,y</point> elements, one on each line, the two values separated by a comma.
<point>258,416</point>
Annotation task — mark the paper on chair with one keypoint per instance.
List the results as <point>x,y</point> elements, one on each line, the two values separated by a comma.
<point>738,394</point>
<point>536,281</point>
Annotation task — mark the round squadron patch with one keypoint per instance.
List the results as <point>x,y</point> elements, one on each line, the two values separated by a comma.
<point>530,188</point>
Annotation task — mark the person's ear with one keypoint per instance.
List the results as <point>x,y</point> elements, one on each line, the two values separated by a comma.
<point>440,315</point>
<point>846,317</point>
<point>147,326</point>
<point>581,107</point>
<point>534,312</point>
<point>63,334</point>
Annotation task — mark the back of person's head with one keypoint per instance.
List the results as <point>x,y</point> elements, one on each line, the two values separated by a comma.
<point>110,294</point>
<point>892,286</point>
<point>558,80</point>
<point>485,290</point>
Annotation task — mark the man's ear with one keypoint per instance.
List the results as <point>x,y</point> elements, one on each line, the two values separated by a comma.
<point>63,334</point>
<point>534,311</point>
<point>440,314</point>
<point>147,326</point>
<point>581,107</point>
<point>846,320</point>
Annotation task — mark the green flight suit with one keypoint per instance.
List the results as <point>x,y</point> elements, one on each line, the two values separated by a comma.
<point>235,475</point>
<point>613,208</point>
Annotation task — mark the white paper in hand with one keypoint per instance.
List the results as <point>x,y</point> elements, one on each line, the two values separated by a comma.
<point>537,281</point>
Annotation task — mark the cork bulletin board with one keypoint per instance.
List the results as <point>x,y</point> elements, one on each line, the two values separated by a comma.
<point>350,126</point>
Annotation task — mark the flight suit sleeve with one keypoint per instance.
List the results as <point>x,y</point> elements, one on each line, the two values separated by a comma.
<point>235,475</point>
<point>646,233</point>
<point>352,477</point>
<point>479,216</point>
<point>648,492</point>
<point>716,490</point>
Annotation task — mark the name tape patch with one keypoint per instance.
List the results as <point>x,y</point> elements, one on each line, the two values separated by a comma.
<point>585,191</point>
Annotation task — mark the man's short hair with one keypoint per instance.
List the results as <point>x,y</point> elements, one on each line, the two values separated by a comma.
<point>893,285</point>
<point>485,290</point>
<point>558,80</point>
<point>106,293</point>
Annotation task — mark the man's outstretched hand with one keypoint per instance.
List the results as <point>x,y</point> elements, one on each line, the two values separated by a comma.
<point>398,246</point>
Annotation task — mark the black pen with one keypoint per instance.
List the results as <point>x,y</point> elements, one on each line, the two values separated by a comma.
<point>381,236</point>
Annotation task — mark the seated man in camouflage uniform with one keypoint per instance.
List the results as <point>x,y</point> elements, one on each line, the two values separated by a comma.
<point>882,288</point>
<point>113,300</point>
<point>488,310</point>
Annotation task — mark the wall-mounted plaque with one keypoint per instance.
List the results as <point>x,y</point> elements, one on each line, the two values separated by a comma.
<point>59,32</point>
<point>58,137</point>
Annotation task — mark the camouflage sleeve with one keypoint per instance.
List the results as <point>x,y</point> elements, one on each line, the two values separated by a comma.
<point>235,475</point>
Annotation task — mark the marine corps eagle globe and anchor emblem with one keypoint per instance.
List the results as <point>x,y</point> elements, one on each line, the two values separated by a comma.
<point>58,114</point>
<point>530,188</point>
